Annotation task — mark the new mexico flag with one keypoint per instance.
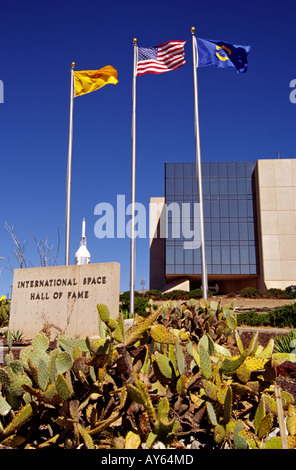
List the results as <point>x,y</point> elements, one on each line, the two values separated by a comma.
<point>91,80</point>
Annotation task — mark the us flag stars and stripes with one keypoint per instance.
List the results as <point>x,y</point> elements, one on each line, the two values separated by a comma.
<point>159,59</point>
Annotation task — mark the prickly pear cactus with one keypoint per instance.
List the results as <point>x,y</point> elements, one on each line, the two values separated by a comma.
<point>167,377</point>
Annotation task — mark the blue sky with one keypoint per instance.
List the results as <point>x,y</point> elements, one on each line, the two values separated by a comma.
<point>242,116</point>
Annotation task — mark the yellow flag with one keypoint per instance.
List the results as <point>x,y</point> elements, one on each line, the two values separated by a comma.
<point>91,80</point>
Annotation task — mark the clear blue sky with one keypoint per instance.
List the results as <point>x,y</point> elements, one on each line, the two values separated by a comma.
<point>242,117</point>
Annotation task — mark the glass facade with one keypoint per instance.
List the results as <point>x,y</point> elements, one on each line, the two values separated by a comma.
<point>229,218</point>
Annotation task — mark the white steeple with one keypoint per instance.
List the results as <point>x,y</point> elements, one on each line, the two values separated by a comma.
<point>82,255</point>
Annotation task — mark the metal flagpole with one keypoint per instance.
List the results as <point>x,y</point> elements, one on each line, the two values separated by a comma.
<point>133,195</point>
<point>68,200</point>
<point>198,169</point>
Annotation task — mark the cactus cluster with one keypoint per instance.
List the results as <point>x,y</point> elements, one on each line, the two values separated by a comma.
<point>168,377</point>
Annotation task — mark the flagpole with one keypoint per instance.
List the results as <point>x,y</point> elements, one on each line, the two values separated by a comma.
<point>198,169</point>
<point>68,198</point>
<point>133,189</point>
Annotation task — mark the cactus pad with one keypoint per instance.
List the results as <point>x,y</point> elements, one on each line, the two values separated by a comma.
<point>132,440</point>
<point>265,426</point>
<point>291,420</point>
<point>40,341</point>
<point>22,416</point>
<point>165,365</point>
<point>229,366</point>
<point>219,433</point>
<point>104,312</point>
<point>205,362</point>
<point>63,362</point>
<point>211,390</point>
<point>161,334</point>
<point>63,387</point>
<point>4,406</point>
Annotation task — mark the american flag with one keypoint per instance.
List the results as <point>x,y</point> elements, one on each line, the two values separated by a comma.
<point>159,59</point>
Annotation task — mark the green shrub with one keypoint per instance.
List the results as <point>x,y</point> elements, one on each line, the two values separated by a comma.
<point>281,317</point>
<point>176,294</point>
<point>140,306</point>
<point>253,319</point>
<point>153,294</point>
<point>274,293</point>
<point>291,292</point>
<point>285,316</point>
<point>249,292</point>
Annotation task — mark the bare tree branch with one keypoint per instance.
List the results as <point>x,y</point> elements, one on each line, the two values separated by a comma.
<point>20,249</point>
<point>43,248</point>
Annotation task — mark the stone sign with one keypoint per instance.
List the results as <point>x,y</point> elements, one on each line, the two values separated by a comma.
<point>63,299</point>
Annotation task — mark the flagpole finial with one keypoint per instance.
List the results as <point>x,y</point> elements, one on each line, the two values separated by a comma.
<point>73,65</point>
<point>135,40</point>
<point>193,30</point>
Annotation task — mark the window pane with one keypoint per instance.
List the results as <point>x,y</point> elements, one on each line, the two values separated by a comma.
<point>242,208</point>
<point>216,269</point>
<point>206,186</point>
<point>244,254</point>
<point>235,269</point>
<point>179,269</point>
<point>213,169</point>
<point>178,187</point>
<point>179,254</point>
<point>214,208</point>
<point>233,212</point>
<point>169,187</point>
<point>245,269</point>
<point>241,185</point>
<point>240,169</point>
<point>233,231</point>
<point>188,186</point>
<point>250,208</point>
<point>225,269</point>
<point>223,169</point>
<point>208,236</point>
<point>225,254</point>
<point>232,186</point>
<point>224,231</point>
<point>188,255</point>
<point>214,183</point>
<point>223,186</point>
<point>224,208</point>
<point>209,255</point>
<point>170,255</point>
<point>234,254</point>
<point>216,255</point>
<point>189,171</point>
<point>251,231</point>
<point>178,170</point>
<point>170,269</point>
<point>231,169</point>
<point>170,170</point>
<point>215,231</point>
<point>207,208</point>
<point>243,231</point>
<point>197,256</point>
<point>252,252</point>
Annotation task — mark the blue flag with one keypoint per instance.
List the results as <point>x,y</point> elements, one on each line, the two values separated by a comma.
<point>222,54</point>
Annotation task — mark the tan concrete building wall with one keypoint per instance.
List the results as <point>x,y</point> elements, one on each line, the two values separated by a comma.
<point>276,199</point>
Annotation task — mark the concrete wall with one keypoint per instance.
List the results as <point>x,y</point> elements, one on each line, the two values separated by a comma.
<point>157,245</point>
<point>276,199</point>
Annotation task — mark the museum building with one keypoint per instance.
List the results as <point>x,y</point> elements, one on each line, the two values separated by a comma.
<point>249,211</point>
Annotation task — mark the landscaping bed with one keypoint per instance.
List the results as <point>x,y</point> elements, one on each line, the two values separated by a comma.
<point>183,377</point>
